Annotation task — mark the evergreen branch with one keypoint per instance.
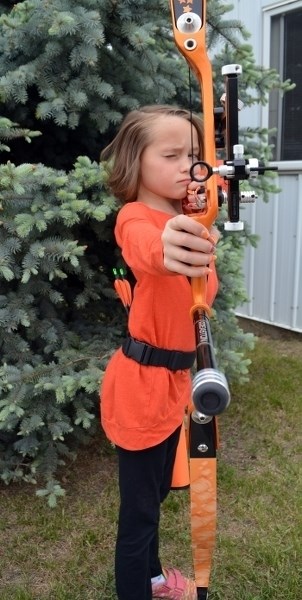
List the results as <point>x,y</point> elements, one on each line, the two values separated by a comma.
<point>40,372</point>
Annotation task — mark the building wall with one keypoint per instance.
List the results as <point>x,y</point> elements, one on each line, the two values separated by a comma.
<point>273,270</point>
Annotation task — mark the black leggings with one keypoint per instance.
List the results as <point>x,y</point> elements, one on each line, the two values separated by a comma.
<point>144,480</point>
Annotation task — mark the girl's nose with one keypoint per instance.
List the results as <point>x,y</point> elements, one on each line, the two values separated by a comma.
<point>186,163</point>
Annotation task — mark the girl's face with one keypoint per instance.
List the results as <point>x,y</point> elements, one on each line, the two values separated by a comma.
<point>166,163</point>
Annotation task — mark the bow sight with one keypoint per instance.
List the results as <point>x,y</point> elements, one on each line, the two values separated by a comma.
<point>235,167</point>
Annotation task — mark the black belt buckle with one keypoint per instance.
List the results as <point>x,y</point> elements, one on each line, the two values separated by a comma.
<point>139,351</point>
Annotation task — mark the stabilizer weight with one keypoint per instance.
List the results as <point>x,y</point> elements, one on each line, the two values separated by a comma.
<point>211,395</point>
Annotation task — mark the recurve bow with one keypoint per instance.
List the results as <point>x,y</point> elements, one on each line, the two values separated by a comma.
<point>210,388</point>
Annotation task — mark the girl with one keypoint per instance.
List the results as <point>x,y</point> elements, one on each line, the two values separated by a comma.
<point>147,384</point>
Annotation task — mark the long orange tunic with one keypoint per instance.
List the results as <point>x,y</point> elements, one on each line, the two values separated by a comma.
<point>142,405</point>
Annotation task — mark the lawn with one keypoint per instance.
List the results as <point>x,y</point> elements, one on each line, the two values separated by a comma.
<point>66,553</point>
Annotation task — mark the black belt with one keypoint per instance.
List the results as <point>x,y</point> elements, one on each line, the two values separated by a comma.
<point>157,357</point>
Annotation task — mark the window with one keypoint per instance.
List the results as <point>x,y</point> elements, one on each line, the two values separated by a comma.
<point>285,110</point>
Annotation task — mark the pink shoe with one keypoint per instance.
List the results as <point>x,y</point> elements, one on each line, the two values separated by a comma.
<point>176,587</point>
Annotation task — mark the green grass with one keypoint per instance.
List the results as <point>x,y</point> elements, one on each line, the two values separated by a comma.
<point>67,553</point>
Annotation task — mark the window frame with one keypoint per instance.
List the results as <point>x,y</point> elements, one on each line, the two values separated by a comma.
<point>274,10</point>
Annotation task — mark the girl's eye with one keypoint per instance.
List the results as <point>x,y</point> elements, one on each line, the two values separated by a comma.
<point>194,157</point>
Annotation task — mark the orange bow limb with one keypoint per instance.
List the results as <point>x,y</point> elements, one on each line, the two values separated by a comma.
<point>189,19</point>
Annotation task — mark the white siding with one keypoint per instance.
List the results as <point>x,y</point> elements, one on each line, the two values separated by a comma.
<point>273,270</point>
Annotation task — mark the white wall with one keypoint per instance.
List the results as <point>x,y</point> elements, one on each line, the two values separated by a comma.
<point>273,270</point>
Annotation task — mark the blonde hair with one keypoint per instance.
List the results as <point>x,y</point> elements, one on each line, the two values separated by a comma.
<point>124,152</point>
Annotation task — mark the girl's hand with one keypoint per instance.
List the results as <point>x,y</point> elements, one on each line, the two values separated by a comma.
<point>188,246</point>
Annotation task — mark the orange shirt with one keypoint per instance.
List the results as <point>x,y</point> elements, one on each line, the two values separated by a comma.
<point>142,405</point>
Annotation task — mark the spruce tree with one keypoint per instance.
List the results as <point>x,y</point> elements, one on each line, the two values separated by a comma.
<point>69,71</point>
<point>76,67</point>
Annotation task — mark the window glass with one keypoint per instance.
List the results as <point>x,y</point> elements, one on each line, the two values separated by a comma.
<point>285,110</point>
